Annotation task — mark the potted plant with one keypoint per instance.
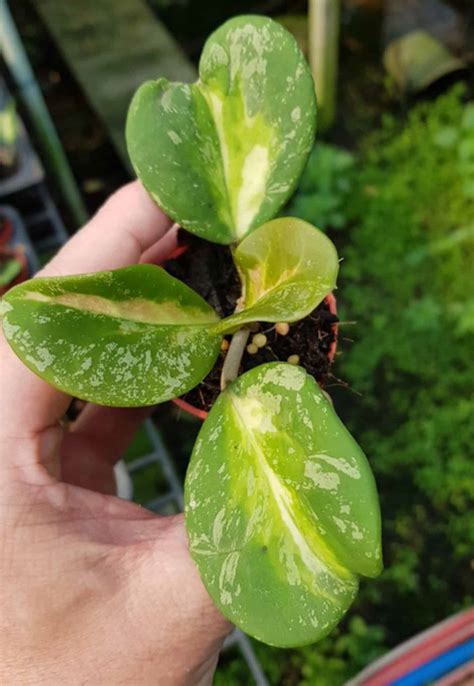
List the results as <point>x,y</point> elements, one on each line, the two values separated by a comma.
<point>210,270</point>
<point>281,506</point>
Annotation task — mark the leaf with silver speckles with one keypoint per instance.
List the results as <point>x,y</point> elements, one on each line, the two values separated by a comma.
<point>131,337</point>
<point>221,156</point>
<point>282,510</point>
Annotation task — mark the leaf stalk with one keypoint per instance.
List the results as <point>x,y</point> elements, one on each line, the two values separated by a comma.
<point>232,361</point>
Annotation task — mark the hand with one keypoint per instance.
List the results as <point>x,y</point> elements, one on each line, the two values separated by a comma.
<point>93,590</point>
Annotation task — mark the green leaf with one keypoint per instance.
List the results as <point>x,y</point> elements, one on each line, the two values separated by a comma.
<point>131,337</point>
<point>281,508</point>
<point>221,156</point>
<point>287,267</point>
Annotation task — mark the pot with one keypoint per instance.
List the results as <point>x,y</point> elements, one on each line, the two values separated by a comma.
<point>330,301</point>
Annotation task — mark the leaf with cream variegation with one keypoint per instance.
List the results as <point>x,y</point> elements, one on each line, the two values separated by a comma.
<point>281,508</point>
<point>287,267</point>
<point>130,337</point>
<point>221,156</point>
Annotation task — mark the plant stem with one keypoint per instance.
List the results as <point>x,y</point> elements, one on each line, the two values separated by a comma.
<point>323,35</point>
<point>230,370</point>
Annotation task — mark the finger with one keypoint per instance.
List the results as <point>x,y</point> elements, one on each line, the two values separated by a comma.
<point>186,604</point>
<point>128,225</point>
<point>95,442</point>
<point>161,250</point>
<point>109,429</point>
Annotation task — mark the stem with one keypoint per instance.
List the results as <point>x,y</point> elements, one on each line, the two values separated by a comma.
<point>230,370</point>
<point>323,30</point>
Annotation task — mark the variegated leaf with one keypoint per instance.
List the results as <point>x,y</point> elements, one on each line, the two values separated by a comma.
<point>281,508</point>
<point>287,267</point>
<point>130,337</point>
<point>222,156</point>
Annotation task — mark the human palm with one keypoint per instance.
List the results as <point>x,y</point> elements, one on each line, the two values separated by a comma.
<point>93,589</point>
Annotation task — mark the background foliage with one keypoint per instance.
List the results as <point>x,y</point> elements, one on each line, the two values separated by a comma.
<point>407,281</point>
<point>406,205</point>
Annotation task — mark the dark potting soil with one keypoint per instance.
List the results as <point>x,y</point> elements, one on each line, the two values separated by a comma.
<point>209,270</point>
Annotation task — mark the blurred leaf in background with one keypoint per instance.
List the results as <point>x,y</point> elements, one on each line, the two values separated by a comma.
<point>324,188</point>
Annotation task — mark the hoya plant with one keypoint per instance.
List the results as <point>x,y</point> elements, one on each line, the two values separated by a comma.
<point>281,507</point>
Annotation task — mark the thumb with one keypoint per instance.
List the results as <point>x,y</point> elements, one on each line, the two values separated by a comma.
<point>169,562</point>
<point>171,591</point>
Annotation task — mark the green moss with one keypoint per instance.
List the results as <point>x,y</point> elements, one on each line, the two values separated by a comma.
<point>407,279</point>
<point>337,657</point>
<point>324,188</point>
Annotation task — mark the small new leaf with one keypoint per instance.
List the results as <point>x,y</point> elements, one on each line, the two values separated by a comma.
<point>281,508</point>
<point>287,267</point>
<point>131,337</point>
<point>221,156</point>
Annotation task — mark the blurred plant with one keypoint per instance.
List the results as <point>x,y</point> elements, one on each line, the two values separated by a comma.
<point>331,662</point>
<point>413,212</point>
<point>8,135</point>
<point>13,261</point>
<point>459,141</point>
<point>324,188</point>
<point>338,656</point>
<point>10,268</point>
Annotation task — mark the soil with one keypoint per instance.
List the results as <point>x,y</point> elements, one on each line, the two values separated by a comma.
<point>209,269</point>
